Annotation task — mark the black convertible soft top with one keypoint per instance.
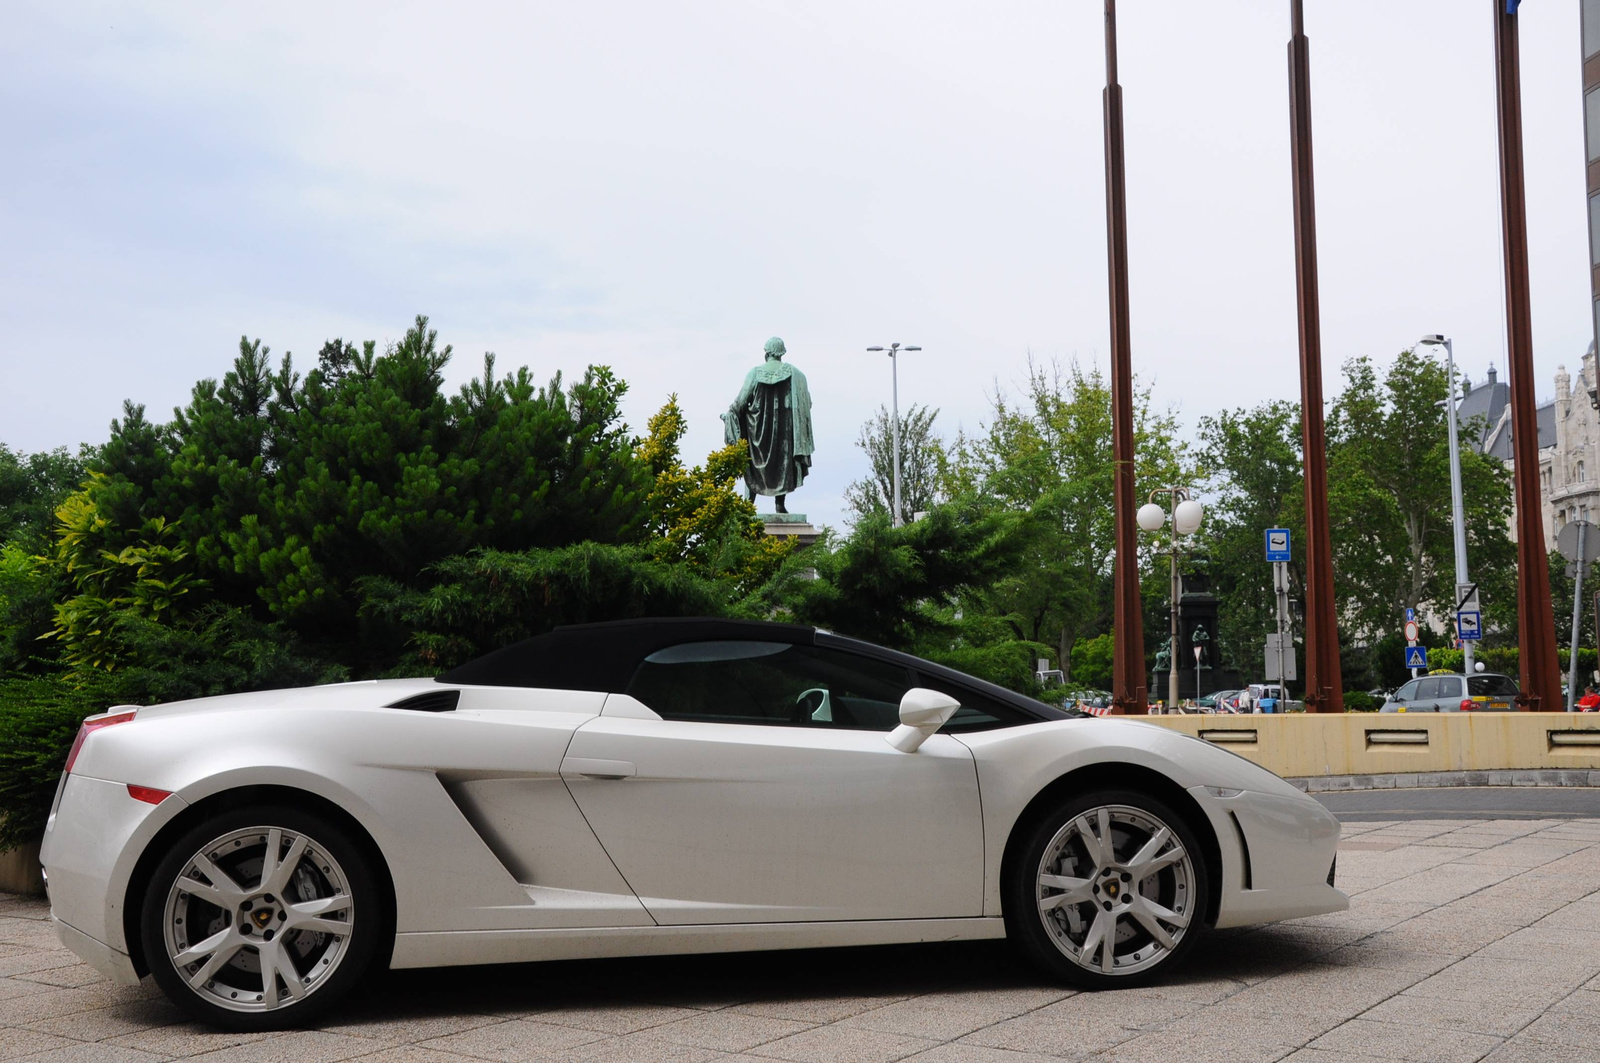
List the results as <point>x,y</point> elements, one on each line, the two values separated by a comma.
<point>603,657</point>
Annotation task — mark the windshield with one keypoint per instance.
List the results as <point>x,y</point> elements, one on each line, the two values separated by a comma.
<point>1491,686</point>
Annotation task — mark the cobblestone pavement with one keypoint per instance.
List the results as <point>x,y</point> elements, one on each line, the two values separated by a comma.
<point>1465,940</point>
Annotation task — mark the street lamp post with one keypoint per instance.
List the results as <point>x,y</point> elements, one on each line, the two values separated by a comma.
<point>1186,517</point>
<point>1457,507</point>
<point>894,390</point>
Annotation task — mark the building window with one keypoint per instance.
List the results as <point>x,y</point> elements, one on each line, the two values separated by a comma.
<point>1591,115</point>
<point>1580,472</point>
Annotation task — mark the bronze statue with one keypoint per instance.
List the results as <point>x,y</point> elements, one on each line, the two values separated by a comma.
<point>1164,656</point>
<point>773,414</point>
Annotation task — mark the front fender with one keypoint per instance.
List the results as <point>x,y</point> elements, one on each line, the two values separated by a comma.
<point>1016,764</point>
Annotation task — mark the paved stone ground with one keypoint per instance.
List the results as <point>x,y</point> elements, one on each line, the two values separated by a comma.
<point>1465,940</point>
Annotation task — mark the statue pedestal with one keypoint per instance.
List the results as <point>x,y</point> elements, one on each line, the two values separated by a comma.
<point>790,526</point>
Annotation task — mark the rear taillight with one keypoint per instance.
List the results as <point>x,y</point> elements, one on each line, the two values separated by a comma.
<point>1467,704</point>
<point>93,723</point>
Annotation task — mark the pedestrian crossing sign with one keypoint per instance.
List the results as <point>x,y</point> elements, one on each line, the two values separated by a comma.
<point>1416,656</point>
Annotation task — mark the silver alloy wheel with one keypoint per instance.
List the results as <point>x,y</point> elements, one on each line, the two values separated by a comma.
<point>1115,890</point>
<point>259,918</point>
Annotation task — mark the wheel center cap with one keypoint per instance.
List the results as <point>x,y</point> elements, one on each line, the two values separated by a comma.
<point>261,917</point>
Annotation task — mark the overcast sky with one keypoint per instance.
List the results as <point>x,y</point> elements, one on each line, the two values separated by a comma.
<point>661,187</point>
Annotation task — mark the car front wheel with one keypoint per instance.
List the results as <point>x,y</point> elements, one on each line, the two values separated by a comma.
<point>1107,890</point>
<point>261,918</point>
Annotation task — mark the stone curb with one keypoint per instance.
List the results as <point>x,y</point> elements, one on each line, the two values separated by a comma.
<point>1417,780</point>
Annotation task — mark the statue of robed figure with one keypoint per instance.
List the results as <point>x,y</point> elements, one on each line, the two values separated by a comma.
<point>773,414</point>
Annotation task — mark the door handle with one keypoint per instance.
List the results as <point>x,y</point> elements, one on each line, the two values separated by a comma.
<point>591,768</point>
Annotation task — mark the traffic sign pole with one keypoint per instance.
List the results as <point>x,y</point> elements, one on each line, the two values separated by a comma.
<point>1577,615</point>
<point>1411,643</point>
<point>1279,553</point>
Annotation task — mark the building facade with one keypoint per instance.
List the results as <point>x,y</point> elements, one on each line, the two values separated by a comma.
<point>1569,441</point>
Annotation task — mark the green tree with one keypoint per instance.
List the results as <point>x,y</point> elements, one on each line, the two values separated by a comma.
<point>1389,501</point>
<point>1251,465</point>
<point>31,487</point>
<point>289,491</point>
<point>900,586</point>
<point>115,574</point>
<point>477,602</point>
<point>922,460</point>
<point>1093,661</point>
<point>1048,455</point>
<point>697,516</point>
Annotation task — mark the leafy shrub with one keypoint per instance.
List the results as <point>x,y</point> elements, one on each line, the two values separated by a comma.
<point>38,719</point>
<point>489,598</point>
<point>1092,661</point>
<point>1359,701</point>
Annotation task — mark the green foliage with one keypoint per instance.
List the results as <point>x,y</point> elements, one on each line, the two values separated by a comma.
<point>1251,464</point>
<point>1389,504</point>
<point>38,719</point>
<point>1389,500</point>
<point>489,598</point>
<point>887,585</point>
<point>289,493</point>
<point>1092,661</point>
<point>1045,459</point>
<point>116,574</point>
<point>31,487</point>
<point>28,596</point>
<point>222,649</point>
<point>923,461</point>
<point>697,517</point>
<point>1360,701</point>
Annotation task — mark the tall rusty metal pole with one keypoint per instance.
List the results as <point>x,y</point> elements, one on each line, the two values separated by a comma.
<point>1127,683</point>
<point>1324,691</point>
<point>1536,629</point>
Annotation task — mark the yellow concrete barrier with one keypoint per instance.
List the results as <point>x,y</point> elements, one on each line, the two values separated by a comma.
<point>1306,744</point>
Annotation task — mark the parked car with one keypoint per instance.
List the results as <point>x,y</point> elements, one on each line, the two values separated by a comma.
<point>1221,701</point>
<point>652,787</point>
<point>1483,691</point>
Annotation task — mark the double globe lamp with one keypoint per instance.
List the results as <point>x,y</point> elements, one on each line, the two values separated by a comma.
<point>1186,516</point>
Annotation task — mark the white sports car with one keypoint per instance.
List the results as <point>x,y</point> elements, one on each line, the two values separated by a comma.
<point>649,787</point>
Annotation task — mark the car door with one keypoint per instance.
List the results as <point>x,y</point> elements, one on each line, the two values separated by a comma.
<point>1428,691</point>
<point>741,782</point>
<point>1402,699</point>
<point>1450,694</point>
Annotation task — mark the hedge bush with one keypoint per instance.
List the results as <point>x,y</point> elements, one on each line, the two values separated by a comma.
<point>38,719</point>
<point>1359,701</point>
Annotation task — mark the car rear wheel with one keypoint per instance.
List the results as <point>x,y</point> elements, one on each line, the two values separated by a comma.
<point>1107,890</point>
<point>261,918</point>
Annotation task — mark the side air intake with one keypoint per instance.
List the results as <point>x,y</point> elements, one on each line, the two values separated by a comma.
<point>430,701</point>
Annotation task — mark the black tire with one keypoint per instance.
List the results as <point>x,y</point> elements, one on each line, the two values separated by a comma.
<point>327,966</point>
<point>1049,938</point>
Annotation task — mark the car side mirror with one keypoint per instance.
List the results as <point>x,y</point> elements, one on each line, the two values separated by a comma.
<point>922,713</point>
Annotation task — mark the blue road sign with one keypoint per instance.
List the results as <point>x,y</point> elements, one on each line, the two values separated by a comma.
<point>1416,656</point>
<point>1277,544</point>
<point>1469,625</point>
<point>1411,614</point>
